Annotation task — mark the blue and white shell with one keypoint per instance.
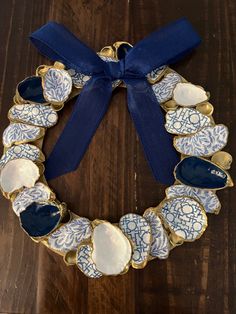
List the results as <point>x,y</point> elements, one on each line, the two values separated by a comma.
<point>206,142</point>
<point>18,133</point>
<point>207,198</point>
<point>184,216</point>
<point>160,246</point>
<point>85,263</point>
<point>57,85</point>
<point>78,79</point>
<point>138,230</point>
<point>38,193</point>
<point>69,236</point>
<point>163,90</point>
<point>26,151</point>
<point>157,73</point>
<point>35,114</point>
<point>185,121</point>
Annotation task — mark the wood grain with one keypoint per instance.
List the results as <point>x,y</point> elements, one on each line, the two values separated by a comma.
<point>113,177</point>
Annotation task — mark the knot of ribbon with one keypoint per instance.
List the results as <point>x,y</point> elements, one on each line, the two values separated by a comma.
<point>165,46</point>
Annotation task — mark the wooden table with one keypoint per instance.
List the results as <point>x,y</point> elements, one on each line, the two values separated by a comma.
<point>113,177</point>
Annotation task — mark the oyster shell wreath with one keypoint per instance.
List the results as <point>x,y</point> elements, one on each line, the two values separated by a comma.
<point>100,248</point>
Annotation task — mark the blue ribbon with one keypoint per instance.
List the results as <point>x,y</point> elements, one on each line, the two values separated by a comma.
<point>165,46</point>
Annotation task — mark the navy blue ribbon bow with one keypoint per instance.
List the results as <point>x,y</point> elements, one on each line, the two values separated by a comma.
<point>165,46</point>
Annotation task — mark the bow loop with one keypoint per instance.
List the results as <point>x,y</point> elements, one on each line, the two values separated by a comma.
<point>164,46</point>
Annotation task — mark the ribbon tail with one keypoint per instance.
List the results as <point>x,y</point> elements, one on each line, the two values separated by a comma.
<point>149,122</point>
<point>89,110</point>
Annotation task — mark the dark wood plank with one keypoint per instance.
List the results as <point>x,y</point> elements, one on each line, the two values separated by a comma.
<point>113,177</point>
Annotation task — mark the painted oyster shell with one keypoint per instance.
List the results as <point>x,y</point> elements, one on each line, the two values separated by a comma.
<point>69,236</point>
<point>163,90</point>
<point>185,217</point>
<point>37,193</point>
<point>111,249</point>
<point>200,173</point>
<point>156,74</point>
<point>138,230</point>
<point>57,85</point>
<point>35,114</point>
<point>31,90</point>
<point>85,263</point>
<point>25,151</point>
<point>78,79</point>
<point>207,198</point>
<point>39,219</point>
<point>18,133</point>
<point>160,246</point>
<point>18,173</point>
<point>185,121</point>
<point>189,95</point>
<point>206,142</point>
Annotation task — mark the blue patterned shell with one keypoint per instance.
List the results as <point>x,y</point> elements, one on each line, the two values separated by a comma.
<point>39,192</point>
<point>185,217</point>
<point>163,90</point>
<point>185,121</point>
<point>84,262</point>
<point>207,198</point>
<point>69,236</point>
<point>57,85</point>
<point>138,230</point>
<point>80,79</point>
<point>25,151</point>
<point>17,133</point>
<point>35,114</point>
<point>160,246</point>
<point>156,73</point>
<point>206,142</point>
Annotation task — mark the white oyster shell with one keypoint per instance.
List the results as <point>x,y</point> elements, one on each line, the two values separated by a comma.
<point>184,216</point>
<point>57,85</point>
<point>111,249</point>
<point>163,90</point>
<point>160,246</point>
<point>38,193</point>
<point>35,114</point>
<point>18,173</point>
<point>84,262</point>
<point>138,230</point>
<point>17,133</point>
<point>207,198</point>
<point>189,95</point>
<point>185,121</point>
<point>25,151</point>
<point>69,236</point>
<point>205,142</point>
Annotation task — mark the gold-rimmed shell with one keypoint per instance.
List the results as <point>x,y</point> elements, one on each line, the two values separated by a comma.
<point>170,105</point>
<point>222,159</point>
<point>205,108</point>
<point>107,51</point>
<point>70,258</point>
